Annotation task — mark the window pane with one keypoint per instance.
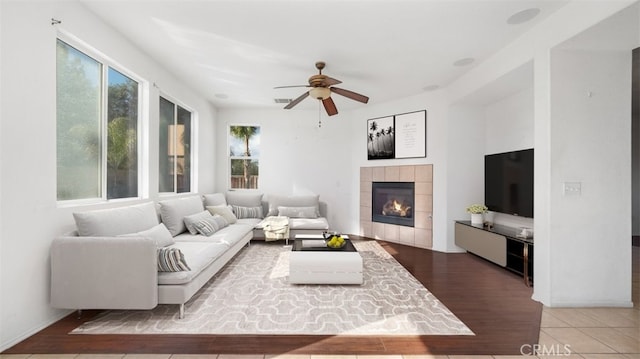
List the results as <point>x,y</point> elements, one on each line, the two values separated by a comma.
<point>244,173</point>
<point>122,136</point>
<point>183,150</point>
<point>166,146</point>
<point>78,124</point>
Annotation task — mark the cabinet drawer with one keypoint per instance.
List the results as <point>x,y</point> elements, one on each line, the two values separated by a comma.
<point>485,244</point>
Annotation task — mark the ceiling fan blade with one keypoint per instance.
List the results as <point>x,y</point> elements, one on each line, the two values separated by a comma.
<point>330,81</point>
<point>330,106</point>
<point>350,94</point>
<point>296,101</point>
<point>286,87</point>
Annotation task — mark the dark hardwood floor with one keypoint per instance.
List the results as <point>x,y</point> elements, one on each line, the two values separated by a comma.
<point>494,303</point>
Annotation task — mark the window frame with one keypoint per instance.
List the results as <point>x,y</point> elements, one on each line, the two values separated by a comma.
<point>230,158</point>
<point>107,63</point>
<point>193,152</point>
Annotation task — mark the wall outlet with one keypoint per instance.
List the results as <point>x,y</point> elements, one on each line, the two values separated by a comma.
<point>572,188</point>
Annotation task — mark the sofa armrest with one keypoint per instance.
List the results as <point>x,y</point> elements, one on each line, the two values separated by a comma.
<point>104,273</point>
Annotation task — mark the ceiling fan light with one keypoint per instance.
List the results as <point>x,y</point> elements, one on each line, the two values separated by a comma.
<point>320,93</point>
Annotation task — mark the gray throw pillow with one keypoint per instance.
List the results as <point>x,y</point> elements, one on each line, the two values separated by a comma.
<point>247,212</point>
<point>171,259</point>
<point>189,221</point>
<point>210,225</point>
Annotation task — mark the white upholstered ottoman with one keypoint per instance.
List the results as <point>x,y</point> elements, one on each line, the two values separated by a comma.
<point>309,264</point>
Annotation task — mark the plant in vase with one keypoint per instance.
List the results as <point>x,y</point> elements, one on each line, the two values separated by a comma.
<point>477,211</point>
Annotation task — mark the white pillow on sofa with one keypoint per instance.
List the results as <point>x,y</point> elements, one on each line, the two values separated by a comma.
<point>225,211</point>
<point>276,201</point>
<point>116,221</point>
<point>214,199</point>
<point>173,212</point>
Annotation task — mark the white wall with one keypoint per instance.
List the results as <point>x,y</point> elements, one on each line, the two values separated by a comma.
<point>591,144</point>
<point>29,215</point>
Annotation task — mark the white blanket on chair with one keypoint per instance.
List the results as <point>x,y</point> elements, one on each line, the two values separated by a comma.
<point>275,228</point>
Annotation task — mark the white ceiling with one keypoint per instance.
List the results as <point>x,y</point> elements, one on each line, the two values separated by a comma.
<point>386,50</point>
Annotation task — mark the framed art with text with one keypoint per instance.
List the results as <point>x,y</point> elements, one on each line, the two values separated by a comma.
<point>411,134</point>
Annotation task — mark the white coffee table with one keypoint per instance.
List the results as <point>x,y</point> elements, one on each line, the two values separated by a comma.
<point>321,265</point>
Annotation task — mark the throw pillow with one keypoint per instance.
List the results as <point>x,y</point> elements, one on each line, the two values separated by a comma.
<point>298,212</point>
<point>225,211</point>
<point>209,226</point>
<point>171,260</point>
<point>173,212</point>
<point>248,212</point>
<point>189,221</point>
<point>159,234</point>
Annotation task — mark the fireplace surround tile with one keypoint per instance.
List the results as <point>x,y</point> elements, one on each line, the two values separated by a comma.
<point>422,175</point>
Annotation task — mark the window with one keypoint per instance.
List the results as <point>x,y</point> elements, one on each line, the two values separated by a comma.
<point>244,153</point>
<point>97,128</point>
<point>175,148</point>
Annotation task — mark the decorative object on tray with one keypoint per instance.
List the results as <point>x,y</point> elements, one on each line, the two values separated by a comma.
<point>334,240</point>
<point>477,211</point>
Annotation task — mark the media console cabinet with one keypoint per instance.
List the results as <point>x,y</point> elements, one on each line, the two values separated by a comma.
<point>498,244</point>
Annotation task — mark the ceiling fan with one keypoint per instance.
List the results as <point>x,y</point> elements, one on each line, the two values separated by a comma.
<point>321,87</point>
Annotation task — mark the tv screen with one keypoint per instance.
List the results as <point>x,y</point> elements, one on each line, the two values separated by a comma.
<point>508,182</point>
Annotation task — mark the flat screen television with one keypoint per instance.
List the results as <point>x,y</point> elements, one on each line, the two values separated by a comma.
<point>508,182</point>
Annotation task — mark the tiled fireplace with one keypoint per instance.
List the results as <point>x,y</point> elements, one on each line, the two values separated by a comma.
<point>390,214</point>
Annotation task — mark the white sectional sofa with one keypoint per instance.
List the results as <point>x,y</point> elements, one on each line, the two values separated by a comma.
<point>142,255</point>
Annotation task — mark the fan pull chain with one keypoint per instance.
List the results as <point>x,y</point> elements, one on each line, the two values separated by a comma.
<point>319,115</point>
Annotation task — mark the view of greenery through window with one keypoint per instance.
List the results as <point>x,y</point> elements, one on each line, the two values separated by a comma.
<point>81,128</point>
<point>175,148</point>
<point>244,153</point>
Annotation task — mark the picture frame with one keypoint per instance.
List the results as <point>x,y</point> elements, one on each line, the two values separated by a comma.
<point>381,138</point>
<point>397,136</point>
<point>411,135</point>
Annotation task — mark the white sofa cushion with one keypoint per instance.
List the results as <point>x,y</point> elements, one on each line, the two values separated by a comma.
<point>158,233</point>
<point>116,221</point>
<point>244,199</point>
<point>319,223</point>
<point>173,212</point>
<point>298,212</point>
<point>276,201</point>
<point>215,199</point>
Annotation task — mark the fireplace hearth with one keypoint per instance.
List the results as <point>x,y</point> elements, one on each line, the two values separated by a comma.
<point>393,203</point>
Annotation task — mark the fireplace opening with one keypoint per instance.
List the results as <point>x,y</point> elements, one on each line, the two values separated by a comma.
<point>393,203</point>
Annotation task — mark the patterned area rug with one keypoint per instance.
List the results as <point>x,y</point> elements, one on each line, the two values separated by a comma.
<point>251,295</point>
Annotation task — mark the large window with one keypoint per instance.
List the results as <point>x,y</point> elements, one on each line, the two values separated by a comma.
<point>244,153</point>
<point>97,128</point>
<point>175,148</point>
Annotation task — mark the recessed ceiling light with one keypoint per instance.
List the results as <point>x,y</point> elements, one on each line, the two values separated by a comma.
<point>464,62</point>
<point>523,16</point>
<point>222,96</point>
<point>430,88</point>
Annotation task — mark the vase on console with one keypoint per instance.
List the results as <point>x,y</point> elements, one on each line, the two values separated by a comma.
<point>477,213</point>
<point>477,218</point>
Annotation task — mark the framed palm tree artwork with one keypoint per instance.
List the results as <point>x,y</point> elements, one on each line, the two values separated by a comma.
<point>381,138</point>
